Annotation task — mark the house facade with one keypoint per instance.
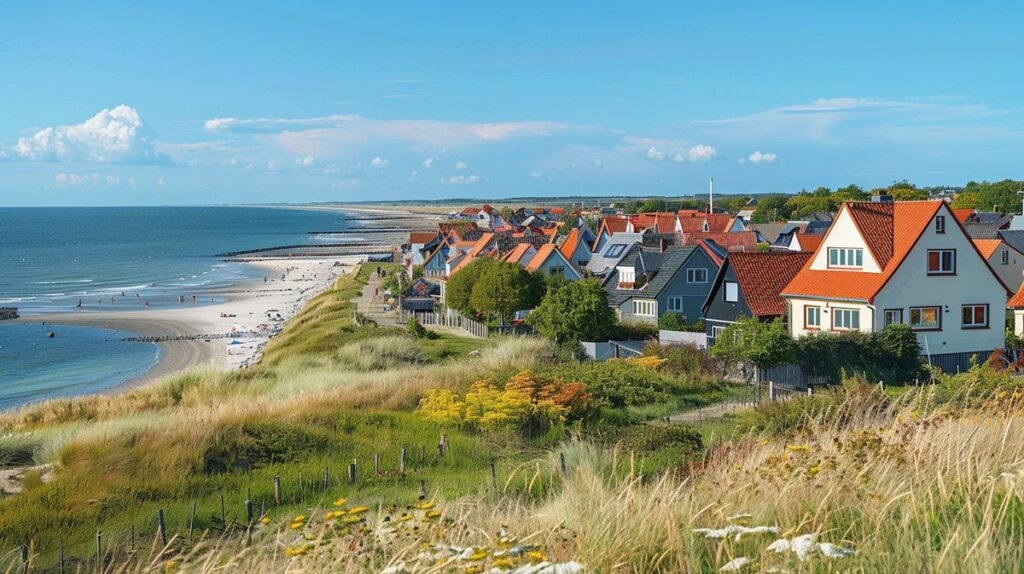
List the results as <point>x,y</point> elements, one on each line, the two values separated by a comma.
<point>1007,261</point>
<point>906,262</point>
<point>646,285</point>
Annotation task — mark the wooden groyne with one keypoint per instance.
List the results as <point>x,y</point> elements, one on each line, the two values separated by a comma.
<point>313,246</point>
<point>7,313</point>
<point>369,230</point>
<point>163,338</point>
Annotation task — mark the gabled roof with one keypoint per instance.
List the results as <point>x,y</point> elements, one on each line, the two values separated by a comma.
<point>962,215</point>
<point>1013,238</point>
<point>547,251</point>
<point>614,224</point>
<point>1017,301</point>
<point>517,254</point>
<point>890,230</point>
<point>716,252</point>
<point>763,276</point>
<point>987,246</point>
<point>572,240</point>
<point>481,244</point>
<point>809,242</point>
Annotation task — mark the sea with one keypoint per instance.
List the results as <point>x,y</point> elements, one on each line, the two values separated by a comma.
<point>76,259</point>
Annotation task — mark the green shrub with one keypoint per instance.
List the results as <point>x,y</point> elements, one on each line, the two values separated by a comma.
<point>618,384</point>
<point>678,322</point>
<point>263,443</point>
<point>415,329</point>
<point>892,355</point>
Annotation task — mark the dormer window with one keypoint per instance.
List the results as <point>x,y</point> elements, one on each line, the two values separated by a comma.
<point>845,257</point>
<point>706,226</point>
<point>940,224</point>
<point>627,276</point>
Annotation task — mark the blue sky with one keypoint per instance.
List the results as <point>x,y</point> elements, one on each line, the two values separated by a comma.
<point>189,102</point>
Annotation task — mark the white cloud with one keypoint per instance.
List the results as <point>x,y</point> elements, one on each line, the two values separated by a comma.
<point>701,152</point>
<point>536,174</point>
<point>461,179</point>
<point>758,157</point>
<point>340,128</point>
<point>461,165</point>
<point>428,163</point>
<point>379,162</point>
<point>653,153</point>
<point>112,136</point>
<point>596,163</point>
<point>86,179</point>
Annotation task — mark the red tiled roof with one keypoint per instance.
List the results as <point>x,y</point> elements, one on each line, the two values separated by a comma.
<point>517,254</point>
<point>419,237</point>
<point>906,221</point>
<point>987,246</point>
<point>694,221</point>
<point>739,241</point>
<point>558,210</point>
<point>875,223</point>
<point>571,242</point>
<point>481,244</point>
<point>762,277</point>
<point>809,242</point>
<point>666,222</point>
<point>470,211</point>
<point>615,224</point>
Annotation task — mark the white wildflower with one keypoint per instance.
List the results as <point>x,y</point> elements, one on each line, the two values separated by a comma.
<point>735,565</point>
<point>803,546</point>
<point>779,546</point>
<point>739,531</point>
<point>833,551</point>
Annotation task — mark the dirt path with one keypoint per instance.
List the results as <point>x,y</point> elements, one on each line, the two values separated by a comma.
<point>371,304</point>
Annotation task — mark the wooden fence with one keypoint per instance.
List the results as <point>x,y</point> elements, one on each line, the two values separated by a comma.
<point>453,319</point>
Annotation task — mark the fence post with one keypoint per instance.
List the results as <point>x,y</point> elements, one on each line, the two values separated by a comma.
<point>441,445</point>
<point>565,467</point>
<point>401,460</point>
<point>223,516</point>
<point>99,546</point>
<point>376,464</point>
<point>423,489</point>
<point>771,391</point>
<point>352,473</point>
<point>161,527</point>
<point>327,478</point>
<point>60,558</point>
<point>248,512</point>
<point>24,557</point>
<point>277,490</point>
<point>494,476</point>
<point>192,521</point>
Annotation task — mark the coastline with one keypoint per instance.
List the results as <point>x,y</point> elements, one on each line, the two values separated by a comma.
<point>200,334</point>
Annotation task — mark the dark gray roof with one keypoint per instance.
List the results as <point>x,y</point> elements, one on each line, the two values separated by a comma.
<point>1013,238</point>
<point>768,231</point>
<point>663,266</point>
<point>982,230</point>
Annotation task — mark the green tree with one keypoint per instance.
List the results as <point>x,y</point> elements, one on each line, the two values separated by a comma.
<point>577,311</point>
<point>903,190</point>
<point>751,343</point>
<point>502,289</point>
<point>1000,196</point>
<point>460,284</point>
<point>771,208</point>
<point>852,192</point>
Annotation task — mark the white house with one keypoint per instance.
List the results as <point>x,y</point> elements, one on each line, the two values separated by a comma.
<point>906,262</point>
<point>1007,262</point>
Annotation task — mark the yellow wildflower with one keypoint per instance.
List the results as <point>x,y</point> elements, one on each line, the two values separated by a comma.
<point>296,525</point>
<point>169,565</point>
<point>425,505</point>
<point>405,517</point>
<point>504,563</point>
<point>299,518</point>
<point>535,556</point>
<point>478,555</point>
<point>265,519</point>
<point>433,513</point>
<point>293,551</point>
<point>358,510</point>
<point>340,502</point>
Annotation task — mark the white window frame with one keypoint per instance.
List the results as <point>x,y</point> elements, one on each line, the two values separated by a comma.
<point>887,312</point>
<point>735,288</point>
<point>845,319</point>
<point>675,304</point>
<point>717,330</point>
<point>691,275</point>
<point>621,248</point>
<point>808,311</point>
<point>627,275</point>
<point>845,257</point>
<point>943,269</point>
<point>645,308</point>
<point>940,224</point>
<point>972,324</point>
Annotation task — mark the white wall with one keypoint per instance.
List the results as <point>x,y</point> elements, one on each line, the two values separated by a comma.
<point>843,233</point>
<point>974,283</point>
<point>797,310</point>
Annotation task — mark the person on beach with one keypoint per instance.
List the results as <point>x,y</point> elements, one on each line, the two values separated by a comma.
<point>147,304</point>
<point>79,304</point>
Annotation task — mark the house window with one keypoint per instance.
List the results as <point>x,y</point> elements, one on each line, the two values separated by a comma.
<point>556,270</point>
<point>926,318</point>
<point>940,224</point>
<point>732,291</point>
<point>697,275</point>
<point>893,316</point>
<point>627,275</point>
<point>845,319</point>
<point>812,317</point>
<point>942,261</point>
<point>1005,256</point>
<point>615,250</point>
<point>846,257</point>
<point>974,317</point>
<point>645,308</point>
<point>675,303</point>
<point>716,331</point>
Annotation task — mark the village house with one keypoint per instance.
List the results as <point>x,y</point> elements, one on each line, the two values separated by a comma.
<point>748,285</point>
<point>906,262</point>
<point>647,283</point>
<point>1006,260</point>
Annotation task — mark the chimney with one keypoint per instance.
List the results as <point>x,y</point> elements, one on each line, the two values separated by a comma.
<point>881,198</point>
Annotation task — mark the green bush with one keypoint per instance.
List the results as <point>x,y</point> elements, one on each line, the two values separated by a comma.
<point>263,443</point>
<point>634,331</point>
<point>677,322</point>
<point>685,359</point>
<point>415,329</point>
<point>647,438</point>
<point>618,384</point>
<point>891,355</point>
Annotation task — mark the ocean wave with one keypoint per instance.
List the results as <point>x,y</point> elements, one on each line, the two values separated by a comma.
<point>62,282</point>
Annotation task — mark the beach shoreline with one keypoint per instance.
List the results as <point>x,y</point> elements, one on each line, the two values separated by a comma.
<point>199,335</point>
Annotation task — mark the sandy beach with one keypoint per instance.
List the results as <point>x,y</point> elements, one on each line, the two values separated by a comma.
<point>250,314</point>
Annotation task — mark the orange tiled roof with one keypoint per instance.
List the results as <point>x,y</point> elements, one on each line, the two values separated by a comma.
<point>666,222</point>
<point>481,244</point>
<point>1017,301</point>
<point>762,277</point>
<point>710,252</point>
<point>571,242</point>
<point>517,254</point>
<point>962,215</point>
<point>987,246</point>
<point>615,224</point>
<point>541,256</point>
<point>891,230</point>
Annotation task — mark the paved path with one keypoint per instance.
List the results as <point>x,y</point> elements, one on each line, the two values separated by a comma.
<point>711,411</point>
<point>373,306</point>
